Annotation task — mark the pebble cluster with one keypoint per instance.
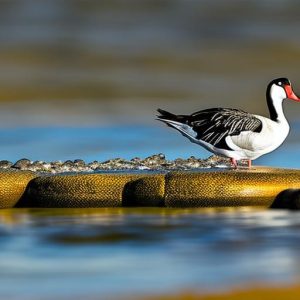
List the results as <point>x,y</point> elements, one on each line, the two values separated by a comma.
<point>156,162</point>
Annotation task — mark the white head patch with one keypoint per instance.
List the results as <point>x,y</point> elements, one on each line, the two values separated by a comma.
<point>277,92</point>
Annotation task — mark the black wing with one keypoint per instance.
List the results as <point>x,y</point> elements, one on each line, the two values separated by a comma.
<point>215,124</point>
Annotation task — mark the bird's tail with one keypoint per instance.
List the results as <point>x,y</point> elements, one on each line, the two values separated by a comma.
<point>179,122</point>
<point>167,116</point>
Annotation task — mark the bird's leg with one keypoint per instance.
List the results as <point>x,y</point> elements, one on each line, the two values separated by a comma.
<point>234,162</point>
<point>249,163</point>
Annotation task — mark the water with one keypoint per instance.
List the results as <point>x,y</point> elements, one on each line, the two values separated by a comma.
<point>127,141</point>
<point>81,253</point>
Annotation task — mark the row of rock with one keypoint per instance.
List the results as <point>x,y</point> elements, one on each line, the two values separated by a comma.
<point>153,162</point>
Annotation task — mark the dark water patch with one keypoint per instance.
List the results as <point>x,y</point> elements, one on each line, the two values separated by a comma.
<point>104,238</point>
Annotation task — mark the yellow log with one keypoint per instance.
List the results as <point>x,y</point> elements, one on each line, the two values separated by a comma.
<point>202,188</point>
<point>12,186</point>
<point>81,190</point>
<point>256,187</point>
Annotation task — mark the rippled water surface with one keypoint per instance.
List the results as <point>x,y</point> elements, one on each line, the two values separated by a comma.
<point>75,253</point>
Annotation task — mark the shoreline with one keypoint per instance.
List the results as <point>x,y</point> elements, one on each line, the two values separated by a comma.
<point>156,162</point>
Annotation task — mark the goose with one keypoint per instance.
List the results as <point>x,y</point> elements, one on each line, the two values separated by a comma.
<point>234,133</point>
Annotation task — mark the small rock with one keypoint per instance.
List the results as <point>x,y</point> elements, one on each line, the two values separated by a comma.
<point>5,164</point>
<point>79,163</point>
<point>153,162</point>
<point>93,165</point>
<point>22,164</point>
<point>136,160</point>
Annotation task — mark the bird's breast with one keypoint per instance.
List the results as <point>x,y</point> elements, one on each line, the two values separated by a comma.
<point>269,138</point>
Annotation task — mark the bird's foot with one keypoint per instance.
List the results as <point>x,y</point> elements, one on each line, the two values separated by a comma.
<point>234,163</point>
<point>249,163</point>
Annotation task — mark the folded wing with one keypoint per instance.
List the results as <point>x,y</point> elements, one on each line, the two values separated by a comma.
<point>214,125</point>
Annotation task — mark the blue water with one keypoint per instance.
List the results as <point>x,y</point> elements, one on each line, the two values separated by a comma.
<point>81,253</point>
<point>102,253</point>
<point>128,141</point>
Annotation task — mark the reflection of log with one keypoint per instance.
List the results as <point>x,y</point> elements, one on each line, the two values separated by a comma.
<point>203,188</point>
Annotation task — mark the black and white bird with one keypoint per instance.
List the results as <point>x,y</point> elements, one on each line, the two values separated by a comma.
<point>235,133</point>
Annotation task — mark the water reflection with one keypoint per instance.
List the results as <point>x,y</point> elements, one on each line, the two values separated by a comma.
<point>129,251</point>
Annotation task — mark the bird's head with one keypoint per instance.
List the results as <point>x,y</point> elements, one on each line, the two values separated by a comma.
<point>281,89</point>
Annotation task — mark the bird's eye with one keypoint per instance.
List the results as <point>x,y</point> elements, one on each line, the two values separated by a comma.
<point>279,83</point>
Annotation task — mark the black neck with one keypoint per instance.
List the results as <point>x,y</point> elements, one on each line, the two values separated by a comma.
<point>272,110</point>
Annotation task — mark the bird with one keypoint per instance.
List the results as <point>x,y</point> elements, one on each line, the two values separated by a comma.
<point>234,133</point>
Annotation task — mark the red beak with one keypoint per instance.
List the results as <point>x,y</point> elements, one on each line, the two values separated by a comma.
<point>290,94</point>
